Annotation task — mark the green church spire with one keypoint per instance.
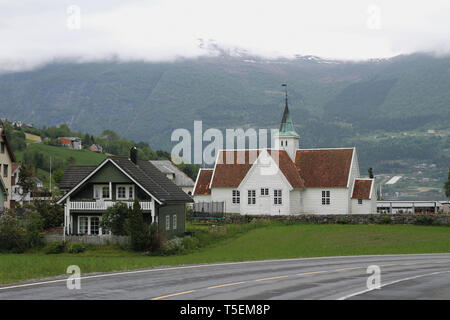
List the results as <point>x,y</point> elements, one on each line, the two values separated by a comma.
<point>287,126</point>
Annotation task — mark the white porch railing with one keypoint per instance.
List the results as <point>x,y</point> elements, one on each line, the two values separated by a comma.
<point>103,205</point>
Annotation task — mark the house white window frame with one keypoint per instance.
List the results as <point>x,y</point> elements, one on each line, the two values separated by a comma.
<point>326,197</point>
<point>251,197</point>
<point>174,222</point>
<point>278,197</point>
<point>127,191</point>
<point>89,225</point>
<point>264,192</point>
<point>167,222</point>
<point>235,196</point>
<point>100,187</point>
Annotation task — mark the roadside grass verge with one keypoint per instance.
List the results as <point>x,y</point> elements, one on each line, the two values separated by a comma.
<point>253,241</point>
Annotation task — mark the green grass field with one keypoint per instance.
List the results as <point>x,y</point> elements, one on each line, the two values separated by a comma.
<point>82,157</point>
<point>239,243</point>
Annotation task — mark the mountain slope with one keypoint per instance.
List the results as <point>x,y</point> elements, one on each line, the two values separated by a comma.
<point>333,103</point>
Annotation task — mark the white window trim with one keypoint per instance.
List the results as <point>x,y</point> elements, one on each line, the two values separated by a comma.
<point>167,222</point>
<point>100,188</point>
<point>100,231</point>
<point>127,191</point>
<point>278,196</point>
<point>174,222</point>
<point>252,196</point>
<point>235,197</point>
<point>326,197</point>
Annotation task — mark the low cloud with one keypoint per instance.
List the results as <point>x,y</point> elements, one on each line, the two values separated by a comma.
<point>34,33</point>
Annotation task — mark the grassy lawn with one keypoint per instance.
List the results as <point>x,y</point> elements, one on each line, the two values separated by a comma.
<point>82,157</point>
<point>241,242</point>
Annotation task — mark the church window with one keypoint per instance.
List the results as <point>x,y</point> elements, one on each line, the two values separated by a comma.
<point>325,197</point>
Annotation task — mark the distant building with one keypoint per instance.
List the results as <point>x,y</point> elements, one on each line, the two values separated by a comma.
<point>176,175</point>
<point>71,142</point>
<point>7,159</point>
<point>96,148</point>
<point>17,195</point>
<point>404,206</point>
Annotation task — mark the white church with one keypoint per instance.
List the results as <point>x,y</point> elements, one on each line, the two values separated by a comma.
<point>287,180</point>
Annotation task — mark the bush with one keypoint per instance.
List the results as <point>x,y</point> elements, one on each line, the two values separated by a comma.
<point>190,243</point>
<point>386,220</point>
<point>76,247</point>
<point>51,213</point>
<point>172,246</point>
<point>13,236</point>
<point>343,221</point>
<point>55,247</point>
<point>115,219</point>
<point>424,220</point>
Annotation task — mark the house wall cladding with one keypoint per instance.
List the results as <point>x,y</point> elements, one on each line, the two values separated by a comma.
<point>443,220</point>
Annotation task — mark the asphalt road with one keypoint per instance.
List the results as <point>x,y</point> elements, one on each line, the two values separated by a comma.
<point>401,277</point>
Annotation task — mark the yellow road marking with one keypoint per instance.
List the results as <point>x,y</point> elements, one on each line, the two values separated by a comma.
<point>227,285</point>
<point>173,295</point>
<point>345,269</point>
<point>314,272</point>
<point>407,264</point>
<point>272,278</point>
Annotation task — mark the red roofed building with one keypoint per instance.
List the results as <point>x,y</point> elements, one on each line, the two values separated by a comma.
<point>287,179</point>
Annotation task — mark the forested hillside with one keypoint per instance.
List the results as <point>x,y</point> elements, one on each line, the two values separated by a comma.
<point>383,107</point>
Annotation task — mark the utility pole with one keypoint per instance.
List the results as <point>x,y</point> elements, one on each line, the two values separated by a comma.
<point>50,174</point>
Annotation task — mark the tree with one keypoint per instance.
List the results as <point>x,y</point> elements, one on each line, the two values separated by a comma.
<point>447,185</point>
<point>115,219</point>
<point>370,173</point>
<point>137,229</point>
<point>26,181</point>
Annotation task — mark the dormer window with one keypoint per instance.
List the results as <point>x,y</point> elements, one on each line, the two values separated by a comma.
<point>101,191</point>
<point>124,192</point>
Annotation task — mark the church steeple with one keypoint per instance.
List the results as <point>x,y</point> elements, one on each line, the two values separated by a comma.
<point>287,126</point>
<point>287,138</point>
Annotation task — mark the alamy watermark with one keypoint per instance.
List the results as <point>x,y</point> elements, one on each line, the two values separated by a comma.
<point>374,280</point>
<point>204,147</point>
<point>73,21</point>
<point>74,280</point>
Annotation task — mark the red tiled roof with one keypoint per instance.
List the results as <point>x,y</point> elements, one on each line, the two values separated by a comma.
<point>65,141</point>
<point>324,168</point>
<point>202,183</point>
<point>361,189</point>
<point>233,165</point>
<point>288,168</point>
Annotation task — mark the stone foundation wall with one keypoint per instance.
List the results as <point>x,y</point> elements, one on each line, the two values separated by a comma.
<point>418,219</point>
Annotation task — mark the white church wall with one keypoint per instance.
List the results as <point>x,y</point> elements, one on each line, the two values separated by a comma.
<point>295,201</point>
<point>312,201</point>
<point>226,195</point>
<point>202,198</point>
<point>257,179</point>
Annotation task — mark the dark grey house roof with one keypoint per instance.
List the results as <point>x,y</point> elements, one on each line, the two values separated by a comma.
<point>153,180</point>
<point>73,175</point>
<point>166,166</point>
<point>144,173</point>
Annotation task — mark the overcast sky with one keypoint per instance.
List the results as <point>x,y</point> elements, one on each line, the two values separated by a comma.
<point>34,32</point>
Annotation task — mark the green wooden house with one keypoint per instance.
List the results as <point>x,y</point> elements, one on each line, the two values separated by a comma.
<point>90,190</point>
